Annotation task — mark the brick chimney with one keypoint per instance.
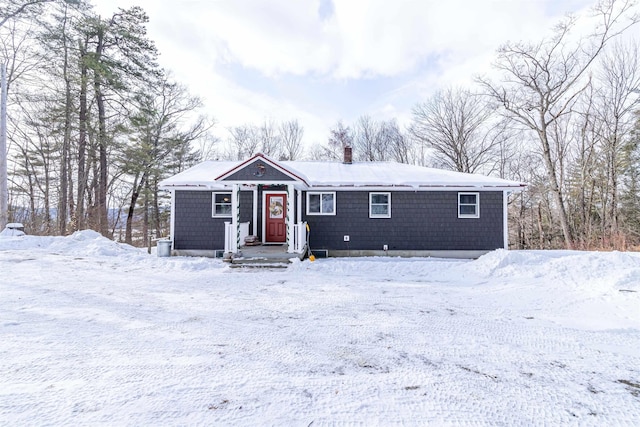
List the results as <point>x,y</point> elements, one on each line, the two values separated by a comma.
<point>348,158</point>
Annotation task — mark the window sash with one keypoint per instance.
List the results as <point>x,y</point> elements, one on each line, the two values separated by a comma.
<point>379,205</point>
<point>321,203</point>
<point>222,205</point>
<point>468,205</point>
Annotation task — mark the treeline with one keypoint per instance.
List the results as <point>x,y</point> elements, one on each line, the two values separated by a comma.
<point>95,124</point>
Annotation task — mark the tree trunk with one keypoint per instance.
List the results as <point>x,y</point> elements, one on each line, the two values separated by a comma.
<point>145,223</point>
<point>80,222</point>
<point>101,196</point>
<point>92,190</point>
<point>555,187</point>
<point>135,193</point>
<point>156,208</point>
<point>66,142</point>
<point>540,229</point>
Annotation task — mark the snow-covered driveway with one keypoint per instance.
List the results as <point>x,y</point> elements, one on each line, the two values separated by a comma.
<point>94,333</point>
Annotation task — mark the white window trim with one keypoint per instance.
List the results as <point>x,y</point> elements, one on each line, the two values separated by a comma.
<point>320,193</point>
<point>387,215</point>
<point>213,204</point>
<point>476,204</point>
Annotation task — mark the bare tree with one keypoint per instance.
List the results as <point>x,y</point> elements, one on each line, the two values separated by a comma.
<point>630,197</point>
<point>340,136</point>
<point>291,133</point>
<point>585,167</point>
<point>454,123</point>
<point>617,98</point>
<point>12,9</point>
<point>243,142</point>
<point>398,145</point>
<point>366,139</point>
<point>270,142</point>
<point>542,81</point>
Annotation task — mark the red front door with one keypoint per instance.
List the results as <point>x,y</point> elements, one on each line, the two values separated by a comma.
<point>275,218</point>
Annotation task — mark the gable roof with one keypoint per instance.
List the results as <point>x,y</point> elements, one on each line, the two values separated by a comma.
<point>316,174</point>
<point>263,159</point>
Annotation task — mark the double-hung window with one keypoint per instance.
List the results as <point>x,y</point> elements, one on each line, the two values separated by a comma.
<point>379,205</point>
<point>468,205</point>
<point>321,203</point>
<point>221,204</point>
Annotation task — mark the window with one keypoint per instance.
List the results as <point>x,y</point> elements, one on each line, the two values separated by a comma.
<point>222,204</point>
<point>321,203</point>
<point>379,205</point>
<point>468,205</point>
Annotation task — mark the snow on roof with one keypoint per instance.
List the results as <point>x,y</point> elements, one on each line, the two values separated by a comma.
<point>320,174</point>
<point>357,174</point>
<point>200,175</point>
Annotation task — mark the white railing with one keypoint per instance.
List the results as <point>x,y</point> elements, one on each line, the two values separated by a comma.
<point>232,240</point>
<point>299,237</point>
<point>244,231</point>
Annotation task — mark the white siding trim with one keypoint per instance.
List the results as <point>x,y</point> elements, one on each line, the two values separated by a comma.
<point>505,216</point>
<point>469,193</point>
<point>386,193</point>
<point>213,204</point>
<point>335,203</point>
<point>264,211</point>
<point>172,224</point>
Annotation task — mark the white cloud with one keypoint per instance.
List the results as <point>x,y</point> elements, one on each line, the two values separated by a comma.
<point>422,45</point>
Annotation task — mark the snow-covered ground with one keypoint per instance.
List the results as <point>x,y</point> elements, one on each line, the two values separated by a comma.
<point>97,333</point>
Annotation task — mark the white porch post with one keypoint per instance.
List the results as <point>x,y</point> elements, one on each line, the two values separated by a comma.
<point>227,238</point>
<point>254,226</point>
<point>299,207</point>
<point>235,213</point>
<point>290,218</point>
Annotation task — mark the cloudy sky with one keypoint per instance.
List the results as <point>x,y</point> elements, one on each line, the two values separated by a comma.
<point>320,61</point>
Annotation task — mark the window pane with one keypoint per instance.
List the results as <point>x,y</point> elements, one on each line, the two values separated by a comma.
<point>379,210</point>
<point>314,203</point>
<point>222,204</point>
<point>223,210</point>
<point>223,198</point>
<point>327,203</point>
<point>380,198</point>
<point>467,209</point>
<point>468,199</point>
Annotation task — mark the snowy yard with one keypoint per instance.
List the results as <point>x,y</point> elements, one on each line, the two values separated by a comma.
<point>93,333</point>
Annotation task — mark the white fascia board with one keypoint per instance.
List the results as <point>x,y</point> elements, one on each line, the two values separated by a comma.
<point>410,188</point>
<point>208,187</point>
<point>297,184</point>
<point>173,186</point>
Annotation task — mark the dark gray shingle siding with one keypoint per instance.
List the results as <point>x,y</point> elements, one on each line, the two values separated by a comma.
<point>195,228</point>
<point>419,221</point>
<point>248,173</point>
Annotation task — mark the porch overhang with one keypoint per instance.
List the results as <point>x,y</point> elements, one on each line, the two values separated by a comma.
<point>296,237</point>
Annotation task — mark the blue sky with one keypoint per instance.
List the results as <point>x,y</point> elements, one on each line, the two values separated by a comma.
<point>320,61</point>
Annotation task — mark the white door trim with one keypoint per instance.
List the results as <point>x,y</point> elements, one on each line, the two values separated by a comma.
<point>265,212</point>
